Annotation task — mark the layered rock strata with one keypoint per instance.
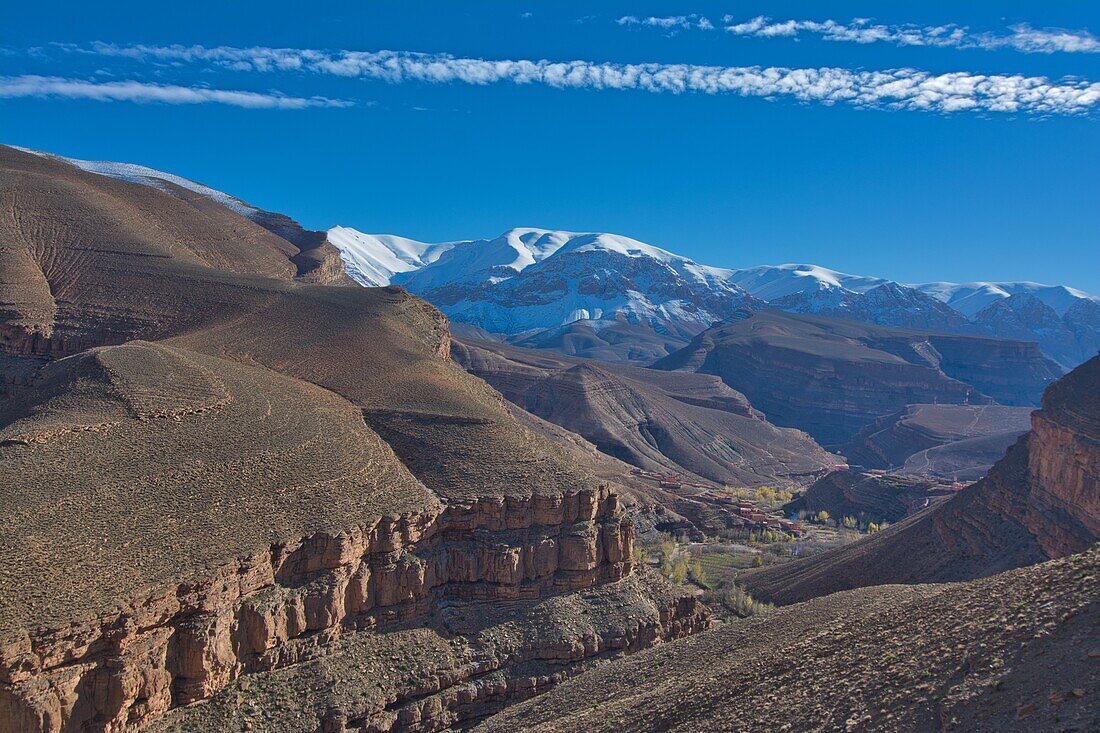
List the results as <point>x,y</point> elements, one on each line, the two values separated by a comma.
<point>290,602</point>
<point>832,377</point>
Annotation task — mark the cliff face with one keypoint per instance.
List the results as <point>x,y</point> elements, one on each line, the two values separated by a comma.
<point>1064,461</point>
<point>1040,501</point>
<point>287,604</point>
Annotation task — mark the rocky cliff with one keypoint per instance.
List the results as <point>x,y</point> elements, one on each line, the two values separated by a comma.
<point>1041,500</point>
<point>178,645</point>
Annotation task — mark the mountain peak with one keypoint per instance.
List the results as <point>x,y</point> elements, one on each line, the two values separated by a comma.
<point>530,279</point>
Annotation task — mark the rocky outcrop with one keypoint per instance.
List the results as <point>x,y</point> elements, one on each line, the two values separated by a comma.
<point>1040,501</point>
<point>321,265</point>
<point>18,341</point>
<point>181,644</point>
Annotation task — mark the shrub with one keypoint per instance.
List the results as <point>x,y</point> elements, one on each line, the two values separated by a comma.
<point>679,569</point>
<point>742,604</point>
<point>697,574</point>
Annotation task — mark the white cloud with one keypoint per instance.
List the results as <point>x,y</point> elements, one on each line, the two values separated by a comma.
<point>860,30</point>
<point>672,23</point>
<point>1032,40</point>
<point>904,88</point>
<point>136,91</point>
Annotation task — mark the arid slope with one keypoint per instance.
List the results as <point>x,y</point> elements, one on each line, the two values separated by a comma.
<point>676,422</point>
<point>1042,500</point>
<point>1015,652</point>
<point>223,469</point>
<point>941,441</point>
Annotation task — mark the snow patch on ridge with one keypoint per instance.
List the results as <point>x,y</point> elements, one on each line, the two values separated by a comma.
<point>142,175</point>
<point>374,259</point>
<point>971,298</point>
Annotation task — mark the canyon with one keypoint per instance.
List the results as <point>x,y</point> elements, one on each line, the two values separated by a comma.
<point>243,492</point>
<point>1038,502</point>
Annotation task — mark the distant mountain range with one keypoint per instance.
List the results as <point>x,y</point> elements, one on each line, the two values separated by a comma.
<point>538,285</point>
<point>613,297</point>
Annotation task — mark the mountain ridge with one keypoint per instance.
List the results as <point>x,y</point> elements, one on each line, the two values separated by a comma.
<point>1065,321</point>
<point>530,281</point>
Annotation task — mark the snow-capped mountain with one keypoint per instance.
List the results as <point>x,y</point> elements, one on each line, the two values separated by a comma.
<point>546,286</point>
<point>529,281</point>
<point>533,279</point>
<point>375,259</point>
<point>771,282</point>
<point>971,298</point>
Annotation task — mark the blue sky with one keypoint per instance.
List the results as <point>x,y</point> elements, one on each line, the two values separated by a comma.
<point>992,173</point>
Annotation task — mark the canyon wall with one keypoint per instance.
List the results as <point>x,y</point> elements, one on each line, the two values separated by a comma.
<point>182,644</point>
<point>1040,501</point>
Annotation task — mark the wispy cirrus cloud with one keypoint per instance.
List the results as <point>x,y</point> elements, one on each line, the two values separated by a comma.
<point>671,23</point>
<point>1039,40</point>
<point>905,88</point>
<point>144,92</point>
<point>1022,37</point>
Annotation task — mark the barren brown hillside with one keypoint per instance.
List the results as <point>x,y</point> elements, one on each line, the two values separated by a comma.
<point>661,421</point>
<point>1015,652</point>
<point>223,471</point>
